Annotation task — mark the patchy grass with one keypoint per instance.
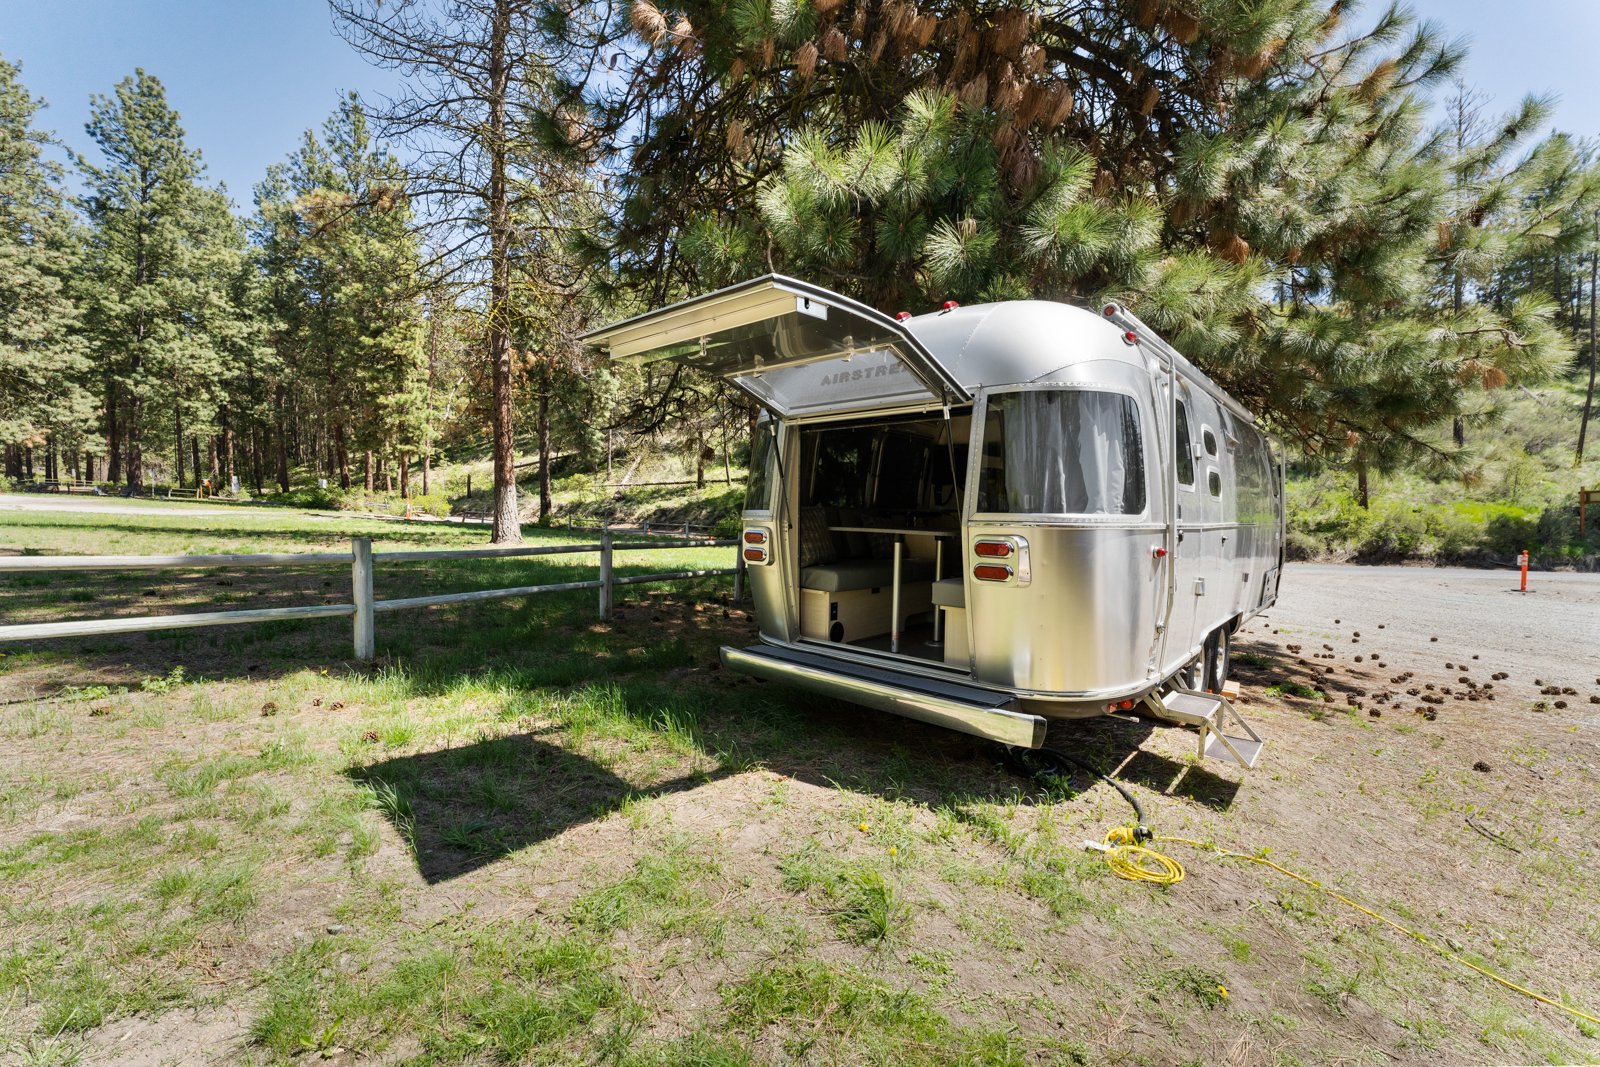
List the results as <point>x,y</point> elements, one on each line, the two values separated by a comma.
<point>525,837</point>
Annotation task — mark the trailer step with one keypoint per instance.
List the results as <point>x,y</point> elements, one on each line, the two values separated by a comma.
<point>1224,734</point>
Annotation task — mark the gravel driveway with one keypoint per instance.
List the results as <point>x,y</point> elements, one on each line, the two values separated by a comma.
<point>1549,635</point>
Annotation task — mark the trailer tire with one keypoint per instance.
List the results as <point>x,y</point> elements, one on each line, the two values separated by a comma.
<point>1217,658</point>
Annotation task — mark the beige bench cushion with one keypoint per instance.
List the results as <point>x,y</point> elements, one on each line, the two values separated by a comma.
<point>950,593</point>
<point>848,574</point>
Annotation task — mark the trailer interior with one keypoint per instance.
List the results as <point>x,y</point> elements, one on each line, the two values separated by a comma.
<point>870,490</point>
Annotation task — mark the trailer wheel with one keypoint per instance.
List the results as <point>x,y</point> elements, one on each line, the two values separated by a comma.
<point>1217,657</point>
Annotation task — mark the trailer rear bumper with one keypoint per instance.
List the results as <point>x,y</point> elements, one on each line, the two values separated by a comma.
<point>953,705</point>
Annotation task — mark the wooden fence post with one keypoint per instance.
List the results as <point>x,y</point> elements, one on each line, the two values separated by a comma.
<point>605,573</point>
<point>738,572</point>
<point>361,595</point>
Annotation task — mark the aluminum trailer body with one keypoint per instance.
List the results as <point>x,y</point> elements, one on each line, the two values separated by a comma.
<point>984,517</point>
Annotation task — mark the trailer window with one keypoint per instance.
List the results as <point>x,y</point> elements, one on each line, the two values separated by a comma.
<point>758,486</point>
<point>1184,447</point>
<point>902,462</point>
<point>842,467</point>
<point>1062,452</point>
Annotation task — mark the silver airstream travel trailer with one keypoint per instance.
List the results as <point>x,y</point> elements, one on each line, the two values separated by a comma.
<point>987,517</point>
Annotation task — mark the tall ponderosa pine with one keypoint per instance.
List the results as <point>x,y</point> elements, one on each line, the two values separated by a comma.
<point>42,360</point>
<point>158,280</point>
<point>1187,158</point>
<point>343,266</point>
<point>479,111</point>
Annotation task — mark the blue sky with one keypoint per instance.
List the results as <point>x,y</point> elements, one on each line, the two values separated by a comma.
<point>249,76</point>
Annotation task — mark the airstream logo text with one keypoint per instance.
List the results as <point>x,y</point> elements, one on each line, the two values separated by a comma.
<point>861,374</point>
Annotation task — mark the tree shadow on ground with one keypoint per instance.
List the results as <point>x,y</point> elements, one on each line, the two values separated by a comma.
<point>465,807</point>
<point>657,671</point>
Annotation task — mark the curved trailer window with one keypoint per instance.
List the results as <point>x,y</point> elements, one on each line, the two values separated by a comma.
<point>1062,452</point>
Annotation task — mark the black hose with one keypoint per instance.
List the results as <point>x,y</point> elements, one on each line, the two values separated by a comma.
<point>1048,763</point>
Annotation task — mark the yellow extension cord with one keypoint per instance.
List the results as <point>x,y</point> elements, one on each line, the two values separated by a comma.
<point>1133,861</point>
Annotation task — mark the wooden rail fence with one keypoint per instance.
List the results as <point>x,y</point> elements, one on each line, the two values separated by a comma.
<point>364,607</point>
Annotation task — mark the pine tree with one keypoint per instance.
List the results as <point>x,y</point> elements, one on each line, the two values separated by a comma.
<point>485,112</point>
<point>1257,181</point>
<point>343,264</point>
<point>42,358</point>
<point>151,269</point>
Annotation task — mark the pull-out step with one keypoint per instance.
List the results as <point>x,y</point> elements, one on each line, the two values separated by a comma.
<point>1224,735</point>
<point>955,705</point>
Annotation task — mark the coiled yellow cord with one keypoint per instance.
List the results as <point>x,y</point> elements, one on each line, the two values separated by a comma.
<point>1133,861</point>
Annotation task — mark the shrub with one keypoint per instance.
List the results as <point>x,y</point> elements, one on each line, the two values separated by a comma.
<point>1396,532</point>
<point>435,503</point>
<point>1509,530</point>
<point>1300,546</point>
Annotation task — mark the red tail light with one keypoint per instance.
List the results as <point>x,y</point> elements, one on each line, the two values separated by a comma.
<point>755,537</point>
<point>992,549</point>
<point>755,555</point>
<point>991,572</point>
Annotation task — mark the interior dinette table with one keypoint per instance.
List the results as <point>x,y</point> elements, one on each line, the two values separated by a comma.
<point>900,536</point>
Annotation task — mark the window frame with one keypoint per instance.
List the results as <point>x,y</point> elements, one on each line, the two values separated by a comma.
<point>974,472</point>
<point>774,478</point>
<point>1187,444</point>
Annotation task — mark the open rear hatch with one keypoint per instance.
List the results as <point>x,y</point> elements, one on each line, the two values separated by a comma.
<point>797,349</point>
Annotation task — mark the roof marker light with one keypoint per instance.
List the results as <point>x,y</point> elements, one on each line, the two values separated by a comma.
<point>950,305</point>
<point>901,316</point>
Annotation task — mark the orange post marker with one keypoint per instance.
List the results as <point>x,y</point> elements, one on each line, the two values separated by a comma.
<point>1522,561</point>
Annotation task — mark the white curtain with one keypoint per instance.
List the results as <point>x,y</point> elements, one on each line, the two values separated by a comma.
<point>1067,451</point>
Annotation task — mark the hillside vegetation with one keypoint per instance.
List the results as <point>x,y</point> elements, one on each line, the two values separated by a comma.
<point>1518,490</point>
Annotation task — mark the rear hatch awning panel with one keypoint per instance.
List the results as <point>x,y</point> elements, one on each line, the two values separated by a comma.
<point>797,349</point>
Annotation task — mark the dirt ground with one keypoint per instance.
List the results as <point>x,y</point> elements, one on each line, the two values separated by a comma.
<point>709,849</point>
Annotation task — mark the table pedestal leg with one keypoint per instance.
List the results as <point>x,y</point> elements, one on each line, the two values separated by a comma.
<point>894,599</point>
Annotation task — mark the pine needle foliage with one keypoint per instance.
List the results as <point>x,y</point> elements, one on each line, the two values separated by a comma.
<point>1257,180</point>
